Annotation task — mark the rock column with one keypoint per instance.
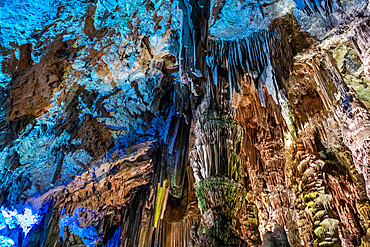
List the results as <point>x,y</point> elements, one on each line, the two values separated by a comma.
<point>216,163</point>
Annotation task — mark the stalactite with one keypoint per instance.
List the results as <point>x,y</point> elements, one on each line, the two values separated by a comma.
<point>216,148</point>
<point>185,123</point>
<point>194,42</point>
<point>229,62</point>
<point>249,55</point>
<point>264,161</point>
<point>216,163</point>
<point>324,8</point>
<point>172,100</point>
<point>215,155</point>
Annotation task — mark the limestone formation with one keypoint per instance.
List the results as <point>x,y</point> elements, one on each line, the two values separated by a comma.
<point>184,123</point>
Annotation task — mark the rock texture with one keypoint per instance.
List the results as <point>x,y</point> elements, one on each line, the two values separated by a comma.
<point>185,123</point>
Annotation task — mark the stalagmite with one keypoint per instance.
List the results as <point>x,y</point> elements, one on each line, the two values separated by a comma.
<point>216,163</point>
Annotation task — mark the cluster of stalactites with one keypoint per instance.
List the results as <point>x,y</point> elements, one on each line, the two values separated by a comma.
<point>217,146</point>
<point>248,56</point>
<point>324,8</point>
<point>215,159</point>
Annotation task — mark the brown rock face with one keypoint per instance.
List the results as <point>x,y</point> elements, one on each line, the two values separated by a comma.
<point>185,123</point>
<point>264,160</point>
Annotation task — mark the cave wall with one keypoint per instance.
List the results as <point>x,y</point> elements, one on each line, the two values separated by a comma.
<point>177,123</point>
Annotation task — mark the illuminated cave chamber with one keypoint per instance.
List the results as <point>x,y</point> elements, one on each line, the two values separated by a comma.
<point>185,123</point>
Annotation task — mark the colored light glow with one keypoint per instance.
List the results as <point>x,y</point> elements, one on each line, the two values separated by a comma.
<point>12,218</point>
<point>6,242</point>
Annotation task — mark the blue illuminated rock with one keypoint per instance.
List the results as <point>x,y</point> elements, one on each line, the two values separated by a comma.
<point>124,122</point>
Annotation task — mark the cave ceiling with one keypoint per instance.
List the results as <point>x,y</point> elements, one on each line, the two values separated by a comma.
<point>180,123</point>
